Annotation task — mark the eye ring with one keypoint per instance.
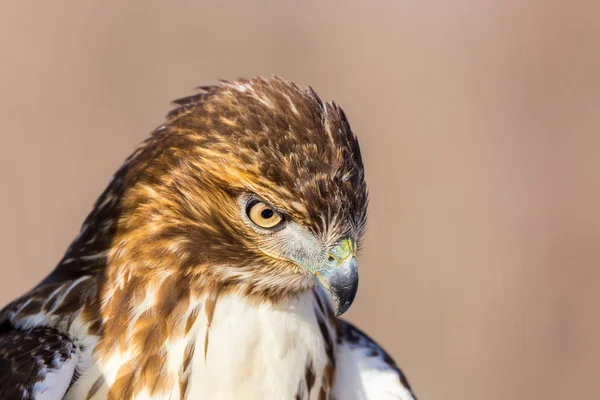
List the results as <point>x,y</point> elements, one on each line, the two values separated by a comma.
<point>263,215</point>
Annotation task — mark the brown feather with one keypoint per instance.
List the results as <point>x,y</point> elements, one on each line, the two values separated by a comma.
<point>169,219</point>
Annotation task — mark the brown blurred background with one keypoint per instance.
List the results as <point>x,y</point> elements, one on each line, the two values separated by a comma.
<point>480,129</point>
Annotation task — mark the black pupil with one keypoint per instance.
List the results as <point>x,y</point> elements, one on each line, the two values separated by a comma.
<point>266,213</point>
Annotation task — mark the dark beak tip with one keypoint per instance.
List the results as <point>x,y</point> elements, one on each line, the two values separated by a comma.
<point>342,285</point>
<point>345,297</point>
<point>342,309</point>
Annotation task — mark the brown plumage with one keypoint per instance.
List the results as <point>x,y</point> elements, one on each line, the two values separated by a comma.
<point>169,237</point>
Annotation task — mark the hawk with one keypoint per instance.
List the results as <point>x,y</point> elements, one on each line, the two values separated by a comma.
<point>214,265</point>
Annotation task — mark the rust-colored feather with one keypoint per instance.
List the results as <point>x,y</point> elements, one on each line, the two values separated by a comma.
<point>167,230</point>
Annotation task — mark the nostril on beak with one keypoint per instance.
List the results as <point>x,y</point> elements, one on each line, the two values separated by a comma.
<point>340,252</point>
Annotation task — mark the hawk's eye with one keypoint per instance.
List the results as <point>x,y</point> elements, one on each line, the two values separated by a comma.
<point>263,214</point>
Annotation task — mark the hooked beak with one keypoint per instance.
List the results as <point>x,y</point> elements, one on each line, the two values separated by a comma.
<point>339,278</point>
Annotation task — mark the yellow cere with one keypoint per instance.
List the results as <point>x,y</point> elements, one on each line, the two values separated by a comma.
<point>339,253</point>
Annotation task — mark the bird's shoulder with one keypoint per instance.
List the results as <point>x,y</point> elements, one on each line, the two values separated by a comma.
<point>365,370</point>
<point>37,363</point>
<point>53,304</point>
<point>39,350</point>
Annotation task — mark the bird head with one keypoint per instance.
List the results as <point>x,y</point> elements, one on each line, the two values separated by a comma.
<point>255,186</point>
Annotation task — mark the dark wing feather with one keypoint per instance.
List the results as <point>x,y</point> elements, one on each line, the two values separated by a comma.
<point>35,364</point>
<point>365,370</point>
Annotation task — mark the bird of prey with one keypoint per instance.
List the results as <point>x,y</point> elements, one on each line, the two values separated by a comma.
<point>214,265</point>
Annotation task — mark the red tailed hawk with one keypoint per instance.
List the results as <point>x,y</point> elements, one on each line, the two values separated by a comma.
<point>214,265</point>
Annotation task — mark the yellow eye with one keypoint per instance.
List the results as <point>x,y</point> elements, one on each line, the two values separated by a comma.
<point>264,215</point>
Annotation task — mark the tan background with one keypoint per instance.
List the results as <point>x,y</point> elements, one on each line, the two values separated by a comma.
<point>480,129</point>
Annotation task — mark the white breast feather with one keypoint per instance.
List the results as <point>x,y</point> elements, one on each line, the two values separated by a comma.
<point>255,351</point>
